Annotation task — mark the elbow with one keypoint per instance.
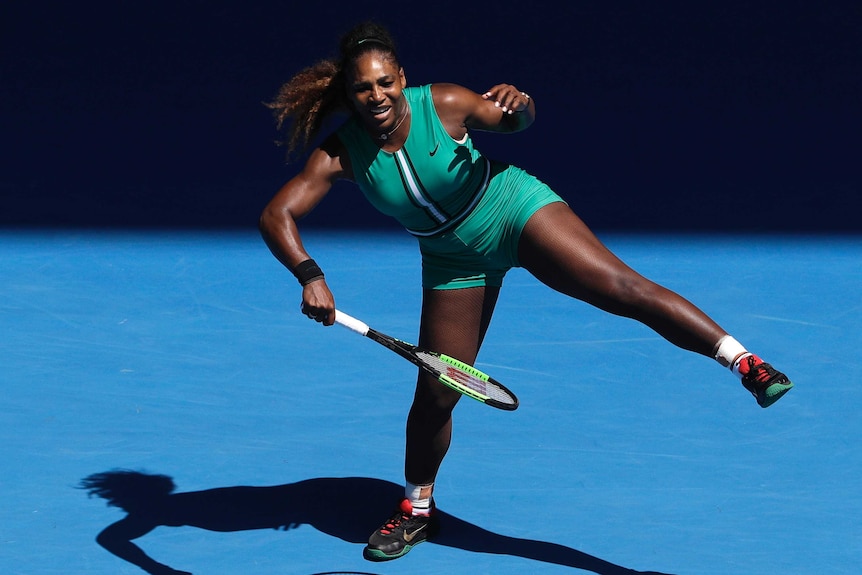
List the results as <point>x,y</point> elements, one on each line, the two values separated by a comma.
<point>268,220</point>
<point>510,124</point>
<point>520,121</point>
<point>276,221</point>
<point>263,223</point>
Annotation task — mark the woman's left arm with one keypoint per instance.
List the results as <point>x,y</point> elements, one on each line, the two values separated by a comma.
<point>503,108</point>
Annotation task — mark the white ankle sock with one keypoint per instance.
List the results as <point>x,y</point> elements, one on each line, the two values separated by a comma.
<point>728,352</point>
<point>413,493</point>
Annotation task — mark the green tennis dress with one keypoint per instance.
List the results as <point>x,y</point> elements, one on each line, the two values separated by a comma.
<point>467,211</point>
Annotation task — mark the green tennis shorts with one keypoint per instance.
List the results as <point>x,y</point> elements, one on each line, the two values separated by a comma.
<point>481,249</point>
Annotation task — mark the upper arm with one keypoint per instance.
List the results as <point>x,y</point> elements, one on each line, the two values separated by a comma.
<point>461,109</point>
<point>325,165</point>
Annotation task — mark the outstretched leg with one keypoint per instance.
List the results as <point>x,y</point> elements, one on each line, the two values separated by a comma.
<point>562,252</point>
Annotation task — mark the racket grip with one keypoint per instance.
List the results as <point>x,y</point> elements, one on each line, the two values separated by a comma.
<point>351,323</point>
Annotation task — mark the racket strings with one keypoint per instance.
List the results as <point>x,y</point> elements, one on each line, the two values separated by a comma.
<point>466,378</point>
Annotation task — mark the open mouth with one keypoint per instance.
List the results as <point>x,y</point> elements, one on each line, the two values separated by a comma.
<point>380,113</point>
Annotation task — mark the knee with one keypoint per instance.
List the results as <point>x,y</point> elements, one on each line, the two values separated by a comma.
<point>433,400</point>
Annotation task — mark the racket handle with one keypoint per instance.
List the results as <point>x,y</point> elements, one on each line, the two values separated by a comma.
<point>350,323</point>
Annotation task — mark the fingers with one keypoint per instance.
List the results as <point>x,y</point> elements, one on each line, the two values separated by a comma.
<point>318,314</point>
<point>508,98</point>
<point>317,303</point>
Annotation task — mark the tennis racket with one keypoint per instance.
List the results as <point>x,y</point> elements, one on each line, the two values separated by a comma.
<point>461,377</point>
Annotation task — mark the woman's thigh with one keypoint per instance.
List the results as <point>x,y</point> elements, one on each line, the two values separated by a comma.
<point>559,249</point>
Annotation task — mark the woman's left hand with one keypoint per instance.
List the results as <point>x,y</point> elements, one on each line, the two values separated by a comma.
<point>508,98</point>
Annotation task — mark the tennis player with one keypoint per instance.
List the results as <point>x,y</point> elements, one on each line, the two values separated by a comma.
<point>408,148</point>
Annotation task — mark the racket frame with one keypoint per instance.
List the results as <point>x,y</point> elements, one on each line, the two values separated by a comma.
<point>411,353</point>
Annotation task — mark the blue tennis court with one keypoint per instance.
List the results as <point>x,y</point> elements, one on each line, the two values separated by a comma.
<point>184,355</point>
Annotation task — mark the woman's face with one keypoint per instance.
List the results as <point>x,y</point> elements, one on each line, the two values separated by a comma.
<point>374,87</point>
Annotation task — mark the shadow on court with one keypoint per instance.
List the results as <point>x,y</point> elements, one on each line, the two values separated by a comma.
<point>348,508</point>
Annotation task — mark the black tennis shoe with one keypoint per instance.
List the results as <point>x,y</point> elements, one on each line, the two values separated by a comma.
<point>401,533</point>
<point>765,383</point>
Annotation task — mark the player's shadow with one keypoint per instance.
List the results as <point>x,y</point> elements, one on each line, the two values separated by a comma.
<point>348,508</point>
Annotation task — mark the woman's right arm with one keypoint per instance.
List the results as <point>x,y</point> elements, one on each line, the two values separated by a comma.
<point>291,203</point>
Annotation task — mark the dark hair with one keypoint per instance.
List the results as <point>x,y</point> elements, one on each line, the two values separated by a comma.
<point>317,92</point>
<point>364,38</point>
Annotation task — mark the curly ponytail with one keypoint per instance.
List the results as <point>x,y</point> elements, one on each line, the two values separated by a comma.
<point>307,99</point>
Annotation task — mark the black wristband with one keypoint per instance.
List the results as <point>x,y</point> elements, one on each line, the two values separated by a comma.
<point>307,272</point>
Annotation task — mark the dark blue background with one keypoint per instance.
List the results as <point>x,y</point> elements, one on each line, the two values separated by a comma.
<point>651,115</point>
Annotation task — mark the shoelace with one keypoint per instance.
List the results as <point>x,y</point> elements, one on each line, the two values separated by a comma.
<point>760,373</point>
<point>394,523</point>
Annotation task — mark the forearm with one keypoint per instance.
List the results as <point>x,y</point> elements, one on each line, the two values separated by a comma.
<point>281,235</point>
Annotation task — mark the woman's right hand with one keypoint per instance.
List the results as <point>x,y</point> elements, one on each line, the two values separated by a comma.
<point>318,303</point>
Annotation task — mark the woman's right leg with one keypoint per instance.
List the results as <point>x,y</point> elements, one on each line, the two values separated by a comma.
<point>454,322</point>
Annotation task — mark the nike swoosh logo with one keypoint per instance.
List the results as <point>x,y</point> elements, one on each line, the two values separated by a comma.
<point>434,151</point>
<point>408,537</point>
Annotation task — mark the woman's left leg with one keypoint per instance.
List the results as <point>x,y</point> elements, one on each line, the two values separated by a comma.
<point>561,251</point>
